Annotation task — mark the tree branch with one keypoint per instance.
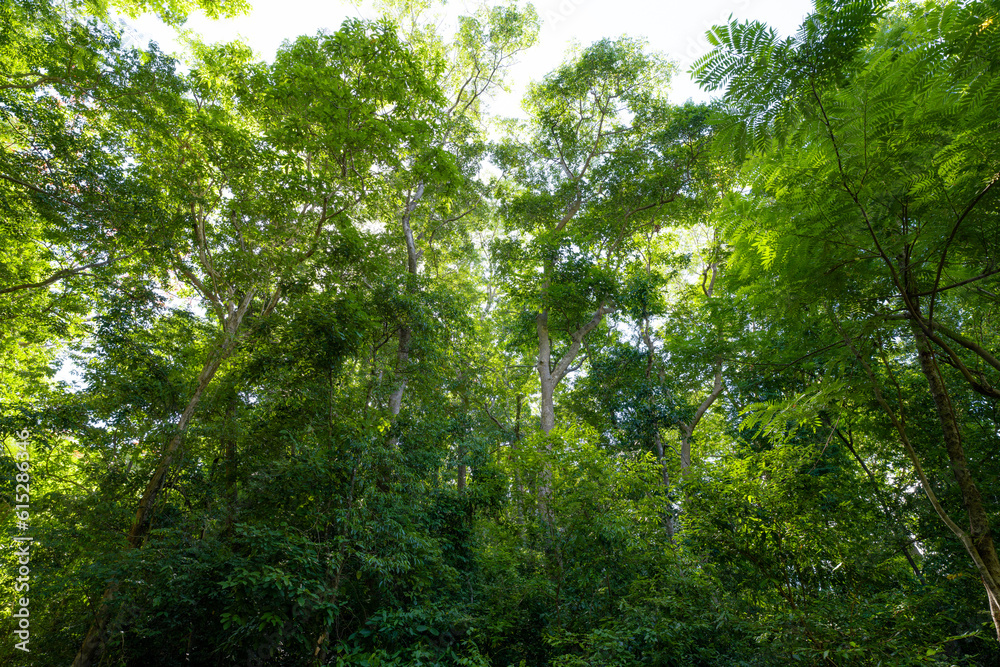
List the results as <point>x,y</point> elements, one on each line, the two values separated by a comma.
<point>563,366</point>
<point>65,273</point>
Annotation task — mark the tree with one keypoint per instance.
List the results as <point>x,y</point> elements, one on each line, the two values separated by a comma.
<point>600,159</point>
<point>434,194</point>
<point>262,163</point>
<point>873,193</point>
<point>312,321</point>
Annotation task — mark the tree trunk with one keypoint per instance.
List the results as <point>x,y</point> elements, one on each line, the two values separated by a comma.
<point>687,430</point>
<point>549,377</point>
<point>547,416</point>
<point>402,357</point>
<point>514,445</point>
<point>547,409</point>
<point>94,639</point>
<point>981,539</point>
<point>668,517</point>
<point>904,545</point>
<point>92,643</point>
<point>405,331</point>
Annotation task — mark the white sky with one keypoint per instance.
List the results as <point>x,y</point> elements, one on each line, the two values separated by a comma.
<point>674,27</point>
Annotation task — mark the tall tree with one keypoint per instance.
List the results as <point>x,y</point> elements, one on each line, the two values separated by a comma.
<point>435,197</point>
<point>263,164</point>
<point>599,161</point>
<point>874,192</point>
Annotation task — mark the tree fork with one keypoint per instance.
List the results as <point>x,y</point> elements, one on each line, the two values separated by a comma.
<point>687,430</point>
<point>990,581</point>
<point>405,331</point>
<point>94,639</point>
<point>979,524</point>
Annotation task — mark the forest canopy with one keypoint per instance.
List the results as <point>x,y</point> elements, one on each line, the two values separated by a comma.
<point>369,376</point>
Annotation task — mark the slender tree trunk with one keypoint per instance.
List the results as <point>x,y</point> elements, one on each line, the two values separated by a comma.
<point>550,376</point>
<point>668,515</point>
<point>517,471</point>
<point>687,430</point>
<point>661,458</point>
<point>547,416</point>
<point>547,409</point>
<point>980,533</point>
<point>904,544</point>
<point>402,358</point>
<point>94,639</point>
<point>92,643</point>
<point>463,469</point>
<point>140,525</point>
<point>405,331</point>
<point>668,518</point>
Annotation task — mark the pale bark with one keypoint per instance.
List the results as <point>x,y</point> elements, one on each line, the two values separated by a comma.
<point>547,416</point>
<point>405,331</point>
<point>668,517</point>
<point>550,376</point>
<point>402,358</point>
<point>687,430</point>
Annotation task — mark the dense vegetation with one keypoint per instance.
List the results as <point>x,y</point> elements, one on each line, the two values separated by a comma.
<point>368,377</point>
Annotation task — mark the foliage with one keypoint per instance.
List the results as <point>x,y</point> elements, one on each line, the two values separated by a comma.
<point>324,321</point>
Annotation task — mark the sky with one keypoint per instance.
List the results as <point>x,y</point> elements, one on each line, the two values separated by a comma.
<point>674,27</point>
